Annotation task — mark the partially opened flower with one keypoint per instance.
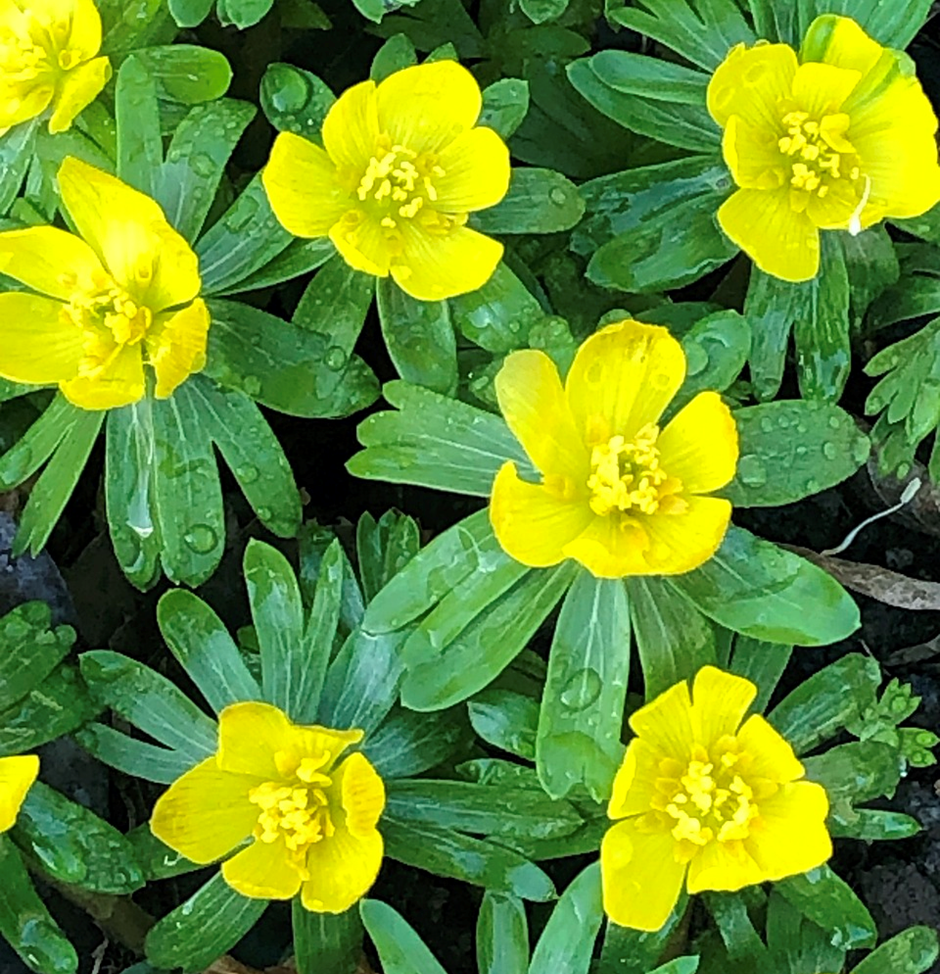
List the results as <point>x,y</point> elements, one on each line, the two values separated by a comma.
<point>401,167</point>
<point>617,493</point>
<point>308,816</point>
<point>836,139</point>
<point>707,800</point>
<point>47,60</point>
<point>120,297</point>
<point>17,775</point>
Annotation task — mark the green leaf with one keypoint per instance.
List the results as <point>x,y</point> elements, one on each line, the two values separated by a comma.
<point>578,744</point>
<point>189,13</point>
<point>203,928</point>
<point>395,54</point>
<point>384,547</point>
<point>872,825</point>
<point>856,772</point>
<point>539,11</point>
<point>158,860</point>
<point>488,644</point>
<point>313,542</point>
<point>295,100</point>
<point>498,316</point>
<point>326,943</point>
<point>673,640</point>
<point>139,147</point>
<point>716,349</point>
<point>39,442</point>
<point>434,441</point>
<point>198,638</point>
<point>650,77</point>
<point>793,449</point>
<point>419,336</point>
<point>506,720</point>
<point>74,845</point>
<point>195,161</point>
<point>149,701</point>
<point>538,201</point>
<point>16,152</point>
<point>136,758</point>
<point>297,258</point>
<point>893,26</point>
<point>627,951</point>
<point>762,663</point>
<point>831,698</point>
<point>505,103</point>
<point>31,649</point>
<point>567,942</point>
<point>476,861</point>
<point>400,949</point>
<point>408,744</point>
<point>25,923</point>
<point>502,935</point>
<point>821,896</point>
<point>911,952</point>
<point>186,73</point>
<point>872,266</point>
<point>741,940</point>
<point>242,13</point>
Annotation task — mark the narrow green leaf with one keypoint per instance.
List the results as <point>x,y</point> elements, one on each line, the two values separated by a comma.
<point>33,449</point>
<point>762,663</point>
<point>821,896</point>
<point>502,935</point>
<point>186,73</point>
<point>873,825</point>
<point>538,201</point>
<point>499,315</point>
<point>911,952</point>
<point>505,103</point>
<point>408,744</point>
<point>505,719</point>
<point>326,943</point>
<point>313,542</point>
<point>136,758</point>
<point>627,951</point>
<point>158,860</point>
<point>139,147</point>
<point>400,948</point>
<point>741,940</point>
<point>295,100</point>
<point>16,151</point>
<point>31,649</point>
<point>567,942</point>
<point>395,54</point>
<point>190,13</point>
<point>384,547</point>
<point>716,349</point>
<point>297,258</point>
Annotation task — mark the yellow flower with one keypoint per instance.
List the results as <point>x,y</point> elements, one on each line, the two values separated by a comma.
<point>706,797</point>
<point>123,296</point>
<point>47,60</point>
<point>617,494</point>
<point>311,817</point>
<point>834,143</point>
<point>17,775</point>
<point>403,167</point>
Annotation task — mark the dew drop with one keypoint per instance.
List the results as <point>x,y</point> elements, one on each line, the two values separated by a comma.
<point>248,473</point>
<point>201,538</point>
<point>581,689</point>
<point>558,196</point>
<point>751,471</point>
<point>336,358</point>
<point>829,451</point>
<point>696,358</point>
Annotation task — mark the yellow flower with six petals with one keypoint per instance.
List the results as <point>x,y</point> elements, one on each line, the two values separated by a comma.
<point>47,60</point>
<point>617,494</point>
<point>708,799</point>
<point>402,165</point>
<point>837,142</point>
<point>311,817</point>
<point>122,295</point>
<point>17,775</point>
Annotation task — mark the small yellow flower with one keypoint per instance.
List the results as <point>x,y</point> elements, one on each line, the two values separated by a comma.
<point>403,167</point>
<point>47,60</point>
<point>706,797</point>
<point>834,143</point>
<point>17,775</point>
<point>311,818</point>
<point>122,297</point>
<point>617,494</point>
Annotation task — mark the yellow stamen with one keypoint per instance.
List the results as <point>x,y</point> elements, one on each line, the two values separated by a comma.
<point>627,475</point>
<point>399,181</point>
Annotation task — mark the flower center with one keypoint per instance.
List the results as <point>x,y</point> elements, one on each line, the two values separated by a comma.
<point>818,154</point>
<point>400,181</point>
<point>627,475</point>
<point>38,46</point>
<point>298,811</point>
<point>109,319</point>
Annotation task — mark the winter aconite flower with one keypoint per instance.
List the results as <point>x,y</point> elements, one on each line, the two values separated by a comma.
<point>836,139</point>
<point>47,60</point>
<point>706,799</point>
<point>17,775</point>
<point>309,817</point>
<point>120,296</point>
<point>401,167</point>
<point>618,493</point>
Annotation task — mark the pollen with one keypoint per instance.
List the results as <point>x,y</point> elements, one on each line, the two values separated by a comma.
<point>109,319</point>
<point>399,182</point>
<point>818,153</point>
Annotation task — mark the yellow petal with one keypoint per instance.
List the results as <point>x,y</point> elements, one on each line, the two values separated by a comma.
<point>362,242</point>
<point>532,524</point>
<point>361,793</point>
<point>77,90</point>
<point>206,813</point>
<point>258,739</point>
<point>341,868</point>
<point>262,871</point>
<point>425,107</point>
<point>119,383</point>
<point>681,542</point>
<point>50,261</point>
<point>532,401</point>
<point>834,211</point>
<point>38,343</point>
<point>85,27</point>
<point>665,723</point>
<point>751,84</point>
<point>640,876</point>
<point>130,234</point>
<point>303,187</point>
<point>780,241</point>
<point>752,155</point>
<point>700,444</point>
<point>613,547</point>
<point>351,128</point>
<point>434,266</point>
<point>821,89</point>
<point>176,346</point>
<point>772,757</point>
<point>476,172</point>
<point>635,782</point>
<point>841,42</point>
<point>790,836</point>
<point>17,775</point>
<point>19,102</point>
<point>719,702</point>
<point>622,378</point>
<point>724,866</point>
